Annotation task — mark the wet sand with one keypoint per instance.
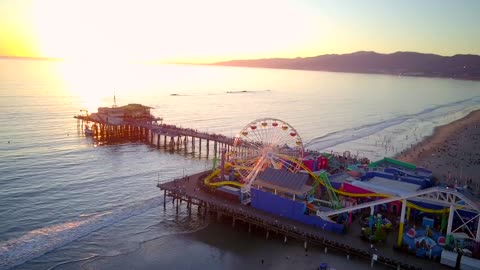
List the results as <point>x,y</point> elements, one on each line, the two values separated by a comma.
<point>452,152</point>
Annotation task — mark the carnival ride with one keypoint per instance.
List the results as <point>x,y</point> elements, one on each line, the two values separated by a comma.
<point>266,142</point>
<point>322,179</point>
<point>273,143</point>
<point>270,142</point>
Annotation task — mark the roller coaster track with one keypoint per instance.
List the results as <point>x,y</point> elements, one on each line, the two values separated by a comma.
<point>323,180</point>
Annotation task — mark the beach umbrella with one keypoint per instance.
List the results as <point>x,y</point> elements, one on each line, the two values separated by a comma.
<point>411,233</point>
<point>441,241</point>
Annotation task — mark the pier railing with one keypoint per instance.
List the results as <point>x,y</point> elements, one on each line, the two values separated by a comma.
<point>174,137</point>
<point>190,190</point>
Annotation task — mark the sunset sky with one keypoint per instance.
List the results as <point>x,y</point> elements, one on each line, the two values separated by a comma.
<point>216,30</point>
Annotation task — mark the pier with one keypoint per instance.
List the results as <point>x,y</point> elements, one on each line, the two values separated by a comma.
<point>192,192</point>
<point>134,122</point>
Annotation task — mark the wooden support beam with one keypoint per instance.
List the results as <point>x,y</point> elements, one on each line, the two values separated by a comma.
<point>164,199</point>
<point>208,147</point>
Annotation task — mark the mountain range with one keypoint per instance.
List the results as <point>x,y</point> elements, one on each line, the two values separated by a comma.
<point>460,66</point>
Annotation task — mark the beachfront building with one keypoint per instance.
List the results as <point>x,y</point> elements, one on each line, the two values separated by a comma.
<point>287,194</point>
<point>284,183</point>
<point>434,221</point>
<point>401,169</point>
<point>125,114</point>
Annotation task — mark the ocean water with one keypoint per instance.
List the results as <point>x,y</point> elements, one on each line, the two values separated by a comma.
<point>66,202</point>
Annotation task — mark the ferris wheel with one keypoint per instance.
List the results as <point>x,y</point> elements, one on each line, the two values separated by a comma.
<point>263,143</point>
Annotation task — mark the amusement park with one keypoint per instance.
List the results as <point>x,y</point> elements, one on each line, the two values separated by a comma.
<point>264,176</point>
<point>268,169</point>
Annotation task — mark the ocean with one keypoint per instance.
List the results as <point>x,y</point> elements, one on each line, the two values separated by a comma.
<point>67,202</point>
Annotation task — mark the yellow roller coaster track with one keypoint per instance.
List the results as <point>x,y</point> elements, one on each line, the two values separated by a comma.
<point>317,178</point>
<point>222,183</point>
<point>362,195</point>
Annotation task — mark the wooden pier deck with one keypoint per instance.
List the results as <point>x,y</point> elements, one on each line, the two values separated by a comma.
<point>191,190</point>
<point>165,136</point>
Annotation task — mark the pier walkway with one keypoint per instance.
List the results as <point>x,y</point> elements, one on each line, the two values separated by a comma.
<point>191,190</point>
<point>170,137</point>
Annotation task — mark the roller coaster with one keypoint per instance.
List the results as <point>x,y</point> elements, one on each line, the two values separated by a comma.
<point>272,143</point>
<point>322,179</point>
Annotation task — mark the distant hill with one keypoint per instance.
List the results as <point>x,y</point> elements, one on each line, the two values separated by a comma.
<point>460,66</point>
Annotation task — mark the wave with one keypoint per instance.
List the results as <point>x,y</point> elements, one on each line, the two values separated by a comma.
<point>40,241</point>
<point>352,134</point>
<point>158,235</point>
<point>72,261</point>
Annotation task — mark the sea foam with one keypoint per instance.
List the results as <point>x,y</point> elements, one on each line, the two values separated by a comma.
<point>352,134</point>
<point>40,241</point>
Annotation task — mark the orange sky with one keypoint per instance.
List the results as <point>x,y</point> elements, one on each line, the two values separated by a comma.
<point>215,30</point>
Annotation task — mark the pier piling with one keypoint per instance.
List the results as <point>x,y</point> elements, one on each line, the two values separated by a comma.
<point>177,205</point>
<point>208,147</point>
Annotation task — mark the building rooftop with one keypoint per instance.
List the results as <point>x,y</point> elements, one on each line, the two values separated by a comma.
<point>135,106</point>
<point>129,107</point>
<point>294,183</point>
<point>387,186</point>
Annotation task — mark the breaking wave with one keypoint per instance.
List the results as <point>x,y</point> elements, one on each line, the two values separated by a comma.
<point>40,241</point>
<point>352,134</point>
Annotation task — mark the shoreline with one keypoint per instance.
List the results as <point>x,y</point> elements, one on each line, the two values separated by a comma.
<point>452,152</point>
<point>474,79</point>
<point>217,246</point>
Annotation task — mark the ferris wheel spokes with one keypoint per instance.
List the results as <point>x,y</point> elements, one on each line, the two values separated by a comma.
<point>263,143</point>
<point>256,169</point>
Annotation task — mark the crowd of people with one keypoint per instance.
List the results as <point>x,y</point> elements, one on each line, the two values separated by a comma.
<point>452,154</point>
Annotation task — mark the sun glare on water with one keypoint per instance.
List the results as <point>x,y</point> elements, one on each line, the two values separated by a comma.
<point>98,40</point>
<point>91,81</point>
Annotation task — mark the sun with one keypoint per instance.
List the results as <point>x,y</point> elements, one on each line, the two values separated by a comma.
<point>169,31</point>
<point>87,81</point>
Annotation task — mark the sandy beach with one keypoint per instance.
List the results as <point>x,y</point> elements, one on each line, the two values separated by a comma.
<point>452,152</point>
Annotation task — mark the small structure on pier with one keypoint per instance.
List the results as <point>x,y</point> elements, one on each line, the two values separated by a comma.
<point>136,122</point>
<point>284,183</point>
<point>124,114</point>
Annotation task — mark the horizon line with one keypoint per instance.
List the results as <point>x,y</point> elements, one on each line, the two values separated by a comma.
<point>158,61</point>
